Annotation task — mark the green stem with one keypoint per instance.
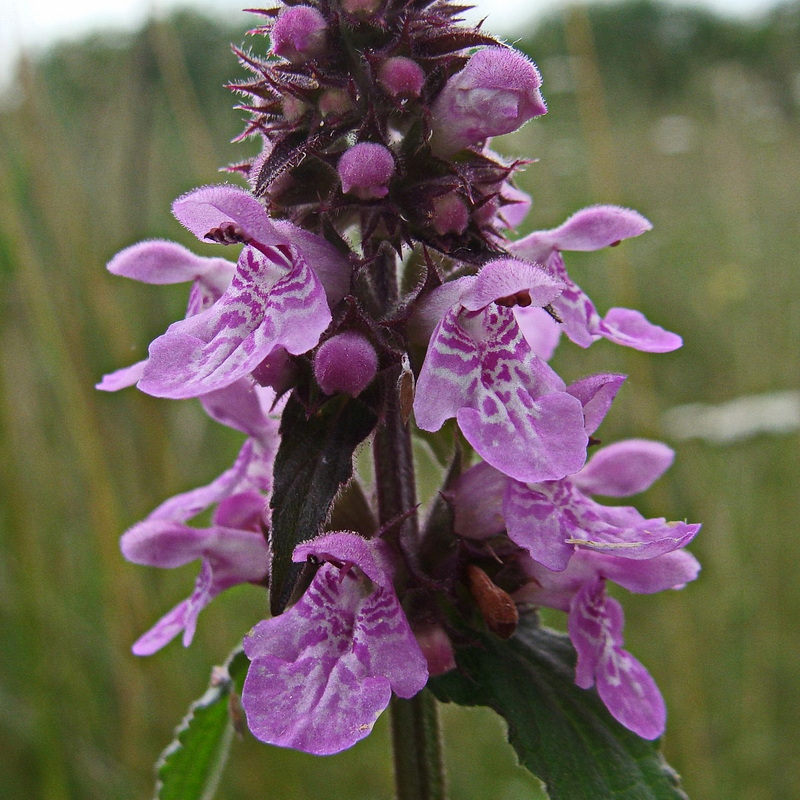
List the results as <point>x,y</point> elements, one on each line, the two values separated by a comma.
<point>418,767</point>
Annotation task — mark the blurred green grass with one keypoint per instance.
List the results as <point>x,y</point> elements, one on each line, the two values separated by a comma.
<point>689,120</point>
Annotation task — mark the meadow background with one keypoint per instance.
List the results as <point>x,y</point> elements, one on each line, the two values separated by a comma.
<point>692,120</point>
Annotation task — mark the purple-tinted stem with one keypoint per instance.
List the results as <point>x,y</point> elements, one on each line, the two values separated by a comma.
<point>416,743</point>
<point>394,476</point>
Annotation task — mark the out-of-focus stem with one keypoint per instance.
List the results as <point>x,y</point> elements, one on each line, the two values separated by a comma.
<point>418,767</point>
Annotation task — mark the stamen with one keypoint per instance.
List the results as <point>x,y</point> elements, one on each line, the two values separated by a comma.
<point>522,298</point>
<point>227,233</point>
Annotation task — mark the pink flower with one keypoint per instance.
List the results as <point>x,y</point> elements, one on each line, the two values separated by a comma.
<point>512,408</point>
<point>324,670</point>
<point>592,229</point>
<point>496,93</point>
<point>272,300</point>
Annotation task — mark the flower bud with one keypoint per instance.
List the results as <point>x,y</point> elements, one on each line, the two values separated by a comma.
<point>496,93</point>
<point>345,363</point>
<point>450,214</point>
<point>335,101</point>
<point>401,77</point>
<point>276,370</point>
<point>293,108</point>
<point>365,170</point>
<point>436,647</point>
<point>361,8</point>
<point>299,34</point>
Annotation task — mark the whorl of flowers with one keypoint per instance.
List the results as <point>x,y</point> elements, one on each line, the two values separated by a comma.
<point>375,258</point>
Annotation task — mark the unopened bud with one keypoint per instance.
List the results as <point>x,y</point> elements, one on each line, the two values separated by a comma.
<point>336,102</point>
<point>293,108</point>
<point>299,34</point>
<point>436,647</point>
<point>450,214</point>
<point>276,370</point>
<point>345,363</point>
<point>401,77</point>
<point>361,8</point>
<point>496,93</point>
<point>365,170</point>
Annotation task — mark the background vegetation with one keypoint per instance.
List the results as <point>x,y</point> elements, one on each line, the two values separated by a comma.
<point>692,120</point>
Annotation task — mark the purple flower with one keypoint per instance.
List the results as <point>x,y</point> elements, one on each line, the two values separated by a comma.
<point>495,93</point>
<point>274,299</point>
<point>449,214</point>
<point>567,552</point>
<point>324,670</point>
<point>159,262</point>
<point>233,549</point>
<point>512,408</point>
<point>552,520</point>
<point>592,229</point>
<point>595,624</point>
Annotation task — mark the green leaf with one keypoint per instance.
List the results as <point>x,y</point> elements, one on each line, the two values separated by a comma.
<point>191,765</point>
<point>563,734</point>
<point>315,459</point>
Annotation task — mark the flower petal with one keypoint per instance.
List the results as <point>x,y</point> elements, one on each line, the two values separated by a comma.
<point>589,229</point>
<point>650,539</point>
<point>625,468</point>
<point>244,406</point>
<point>447,380</point>
<point>369,555</point>
<point>122,378</point>
<point>235,556</point>
<point>162,262</point>
<point>596,393</point>
<point>670,571</point>
<point>323,671</point>
<point>478,502</point>
<point>329,265</point>
<point>530,440</point>
<point>541,331</point>
<point>251,470</point>
<point>509,404</point>
<point>627,689</point>
<point>163,632</point>
<point>599,226</point>
<point>258,313</point>
<point>538,524</point>
<point>631,328</point>
<point>209,207</point>
<point>507,276</point>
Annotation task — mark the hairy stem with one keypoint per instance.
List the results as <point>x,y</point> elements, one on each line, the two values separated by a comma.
<point>418,766</point>
<point>419,769</point>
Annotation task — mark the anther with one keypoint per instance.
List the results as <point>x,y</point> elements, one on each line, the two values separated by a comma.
<point>522,298</point>
<point>227,233</point>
